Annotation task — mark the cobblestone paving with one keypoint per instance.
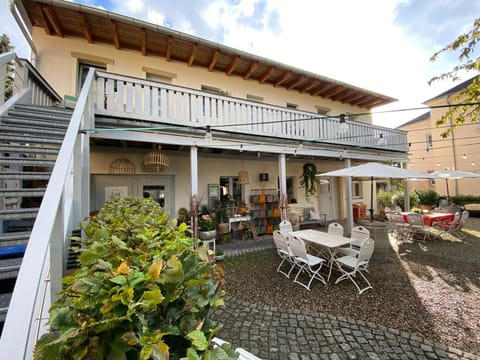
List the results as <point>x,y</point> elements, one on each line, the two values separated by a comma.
<point>270,333</point>
<point>273,334</point>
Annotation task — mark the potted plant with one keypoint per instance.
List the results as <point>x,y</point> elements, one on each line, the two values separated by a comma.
<point>308,179</point>
<point>142,291</point>
<point>428,199</point>
<point>207,226</point>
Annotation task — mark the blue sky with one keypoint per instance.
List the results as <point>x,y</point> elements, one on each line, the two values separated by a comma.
<point>380,45</point>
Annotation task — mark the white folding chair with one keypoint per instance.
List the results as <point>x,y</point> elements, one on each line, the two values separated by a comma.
<point>335,229</point>
<point>285,227</point>
<point>359,233</point>
<point>283,250</point>
<point>417,227</point>
<point>306,262</point>
<point>400,227</point>
<point>452,226</point>
<point>351,265</point>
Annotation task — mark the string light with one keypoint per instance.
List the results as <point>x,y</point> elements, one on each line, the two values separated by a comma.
<point>208,134</point>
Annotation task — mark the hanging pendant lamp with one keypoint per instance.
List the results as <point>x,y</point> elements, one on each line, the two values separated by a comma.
<point>243,176</point>
<point>155,160</point>
<point>121,167</point>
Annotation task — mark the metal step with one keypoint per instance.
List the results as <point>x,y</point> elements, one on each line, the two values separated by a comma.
<point>35,131</point>
<point>21,161</point>
<point>48,124</point>
<point>21,213</point>
<point>24,175</point>
<point>24,192</point>
<point>9,138</point>
<point>22,149</point>
<point>29,111</point>
<point>4,302</point>
<point>9,267</point>
<point>14,238</point>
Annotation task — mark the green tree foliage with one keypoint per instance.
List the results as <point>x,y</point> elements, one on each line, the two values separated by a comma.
<point>465,44</point>
<point>142,291</point>
<point>5,47</point>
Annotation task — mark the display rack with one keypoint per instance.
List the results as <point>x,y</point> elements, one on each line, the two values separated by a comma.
<point>264,210</point>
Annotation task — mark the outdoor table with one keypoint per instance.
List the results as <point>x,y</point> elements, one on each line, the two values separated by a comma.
<point>237,219</point>
<point>429,219</point>
<point>326,240</point>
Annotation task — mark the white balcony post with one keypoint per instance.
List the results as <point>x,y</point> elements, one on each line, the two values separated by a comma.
<point>348,192</point>
<point>194,169</point>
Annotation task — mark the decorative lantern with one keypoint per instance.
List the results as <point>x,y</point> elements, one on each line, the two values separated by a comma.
<point>243,177</point>
<point>121,167</point>
<point>155,160</point>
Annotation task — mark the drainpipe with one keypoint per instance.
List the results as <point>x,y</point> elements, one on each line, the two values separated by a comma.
<point>12,4</point>
<point>454,149</point>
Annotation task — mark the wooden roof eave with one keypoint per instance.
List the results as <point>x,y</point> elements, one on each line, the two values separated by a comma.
<point>276,73</point>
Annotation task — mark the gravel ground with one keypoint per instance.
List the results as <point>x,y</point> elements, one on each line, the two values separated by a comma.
<point>428,288</point>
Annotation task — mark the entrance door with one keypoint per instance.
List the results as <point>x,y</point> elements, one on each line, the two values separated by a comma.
<point>161,188</point>
<point>328,202</point>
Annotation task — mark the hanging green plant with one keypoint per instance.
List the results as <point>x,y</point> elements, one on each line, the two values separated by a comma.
<point>308,179</point>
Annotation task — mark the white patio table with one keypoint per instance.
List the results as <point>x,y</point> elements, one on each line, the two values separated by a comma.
<point>326,240</point>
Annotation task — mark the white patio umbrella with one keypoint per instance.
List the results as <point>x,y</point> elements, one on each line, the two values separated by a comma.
<point>372,171</point>
<point>454,174</point>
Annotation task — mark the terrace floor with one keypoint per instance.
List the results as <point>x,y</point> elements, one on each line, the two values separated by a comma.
<point>423,305</point>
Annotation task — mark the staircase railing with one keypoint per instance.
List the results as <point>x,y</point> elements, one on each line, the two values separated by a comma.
<point>27,85</point>
<point>64,205</point>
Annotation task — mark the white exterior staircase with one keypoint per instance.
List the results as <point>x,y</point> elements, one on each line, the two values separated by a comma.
<point>30,138</point>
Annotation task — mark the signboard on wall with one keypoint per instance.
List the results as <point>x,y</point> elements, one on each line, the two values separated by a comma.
<point>115,191</point>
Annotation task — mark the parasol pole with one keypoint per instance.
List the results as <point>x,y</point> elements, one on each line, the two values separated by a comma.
<point>371,199</point>
<point>448,192</point>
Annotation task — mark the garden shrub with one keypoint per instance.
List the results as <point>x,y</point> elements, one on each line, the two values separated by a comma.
<point>141,292</point>
<point>398,200</point>
<point>384,199</point>
<point>428,197</point>
<point>465,199</point>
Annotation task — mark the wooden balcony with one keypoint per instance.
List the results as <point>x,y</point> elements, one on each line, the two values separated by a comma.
<point>133,98</point>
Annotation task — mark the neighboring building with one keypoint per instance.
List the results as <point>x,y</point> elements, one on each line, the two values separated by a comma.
<point>216,112</point>
<point>430,152</point>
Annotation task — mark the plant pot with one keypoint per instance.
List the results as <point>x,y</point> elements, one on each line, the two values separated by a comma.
<point>219,257</point>
<point>425,207</point>
<point>207,235</point>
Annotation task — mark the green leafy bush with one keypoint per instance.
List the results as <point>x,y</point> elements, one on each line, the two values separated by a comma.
<point>428,197</point>
<point>384,199</point>
<point>398,200</point>
<point>141,292</point>
<point>465,199</point>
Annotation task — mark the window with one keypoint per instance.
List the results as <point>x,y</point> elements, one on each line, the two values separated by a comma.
<point>291,190</point>
<point>229,186</point>
<point>429,141</point>
<point>254,98</point>
<point>214,90</point>
<point>158,75</point>
<point>292,106</point>
<point>322,110</point>
<point>356,189</point>
<point>158,78</point>
<point>83,68</point>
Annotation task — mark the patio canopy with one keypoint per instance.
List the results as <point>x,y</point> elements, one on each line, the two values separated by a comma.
<point>454,174</point>
<point>371,171</point>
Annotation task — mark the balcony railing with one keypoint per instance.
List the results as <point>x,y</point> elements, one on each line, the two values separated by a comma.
<point>122,96</point>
